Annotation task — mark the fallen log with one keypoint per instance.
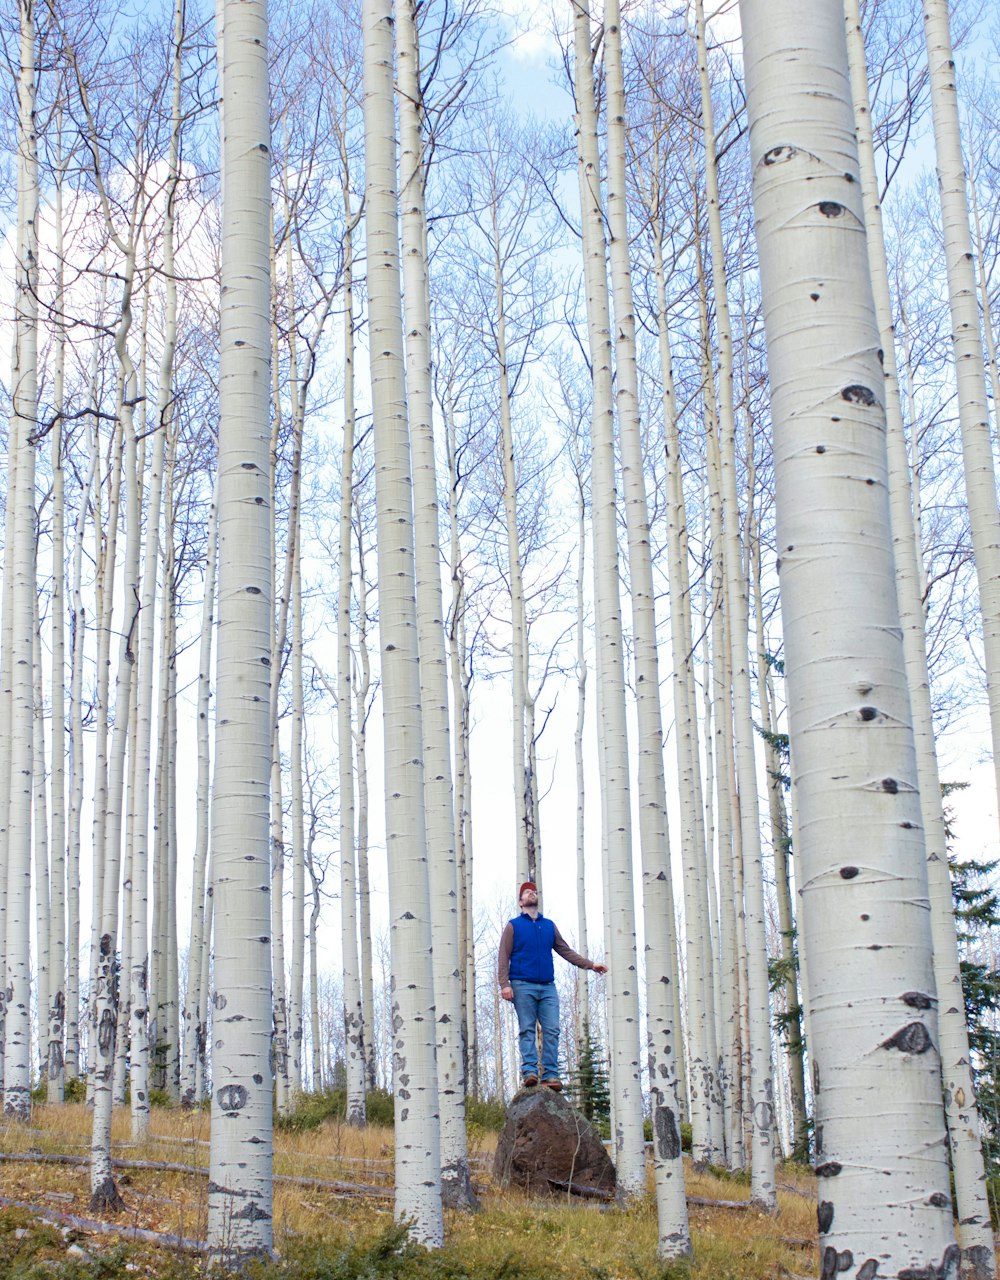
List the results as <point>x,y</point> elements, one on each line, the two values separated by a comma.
<point>183,1244</point>
<point>168,1166</point>
<point>574,1188</point>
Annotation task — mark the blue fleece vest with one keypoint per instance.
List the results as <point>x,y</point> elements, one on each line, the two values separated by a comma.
<point>531,955</point>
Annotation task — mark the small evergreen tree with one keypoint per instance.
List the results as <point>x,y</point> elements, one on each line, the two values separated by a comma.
<point>977,911</point>
<point>589,1086</point>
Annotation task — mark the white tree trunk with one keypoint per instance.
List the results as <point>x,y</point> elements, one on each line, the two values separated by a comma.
<point>20,532</point>
<point>761,1108</point>
<point>357,1029</point>
<point>418,1157</point>
<point>967,344</point>
<point>105,996</point>
<point>864,921</point>
<point>139,995</point>
<point>456,1185</point>
<point>40,844</point>
<point>78,632</point>
<point>973,1210</point>
<point>54,1070</point>
<point>616,805</point>
<point>194,1026</point>
<point>240,1198</point>
<point>658,898</point>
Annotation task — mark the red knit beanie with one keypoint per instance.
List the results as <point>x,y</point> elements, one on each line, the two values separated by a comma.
<point>528,884</point>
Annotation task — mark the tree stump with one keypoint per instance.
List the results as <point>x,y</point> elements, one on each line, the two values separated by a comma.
<point>547,1147</point>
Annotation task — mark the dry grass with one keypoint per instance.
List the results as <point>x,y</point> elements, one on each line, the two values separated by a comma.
<point>562,1241</point>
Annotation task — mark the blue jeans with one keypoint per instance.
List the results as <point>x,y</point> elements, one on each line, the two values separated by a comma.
<point>538,1002</point>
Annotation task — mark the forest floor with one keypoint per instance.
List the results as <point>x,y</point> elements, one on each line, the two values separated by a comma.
<point>333,1214</point>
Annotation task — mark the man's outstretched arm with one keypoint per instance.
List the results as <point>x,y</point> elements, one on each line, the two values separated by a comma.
<point>562,948</point>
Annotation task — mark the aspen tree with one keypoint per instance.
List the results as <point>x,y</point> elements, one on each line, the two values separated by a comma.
<point>864,922</point>
<point>781,841</point>
<point>737,610</point>
<point>460,699</point>
<point>658,899</point>
<point>357,1030</point>
<point>961,1112</point>
<point>616,816</point>
<point>418,1157</point>
<point>139,994</point>
<point>78,628</point>
<point>240,1196</point>
<point>731,1010</point>
<point>362,694</point>
<point>279,636</point>
<point>104,1002</point>
<point>62,890</point>
<point>194,1024</point>
<point>700,959</point>
<point>438,797</point>
<point>967,343</point>
<point>20,603</point>
<point>298,832</point>
<point>40,843</point>
<point>582,987</point>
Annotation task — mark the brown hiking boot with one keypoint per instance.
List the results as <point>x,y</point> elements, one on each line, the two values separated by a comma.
<point>529,1081</point>
<point>554,1085</point>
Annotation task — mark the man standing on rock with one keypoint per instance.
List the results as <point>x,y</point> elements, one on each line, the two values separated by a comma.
<point>527,977</point>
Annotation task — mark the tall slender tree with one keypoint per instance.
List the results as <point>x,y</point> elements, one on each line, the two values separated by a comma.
<point>615,798</point>
<point>240,1197</point>
<point>418,1154</point>
<point>19,604</point>
<point>873,1032</point>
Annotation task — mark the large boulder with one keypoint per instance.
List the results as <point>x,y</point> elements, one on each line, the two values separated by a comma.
<point>548,1147</point>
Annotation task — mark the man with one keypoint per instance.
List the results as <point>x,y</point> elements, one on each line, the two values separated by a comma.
<point>527,977</point>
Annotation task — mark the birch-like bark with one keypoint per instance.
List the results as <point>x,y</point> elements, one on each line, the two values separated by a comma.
<point>865,929</point>
<point>78,632</point>
<point>357,1030</point>
<point>171,1013</point>
<point>657,897</point>
<point>195,1029</point>
<point>139,994</point>
<point>297,982</point>
<point>700,960</point>
<point>20,531</point>
<point>615,790</point>
<point>528,867</point>
<point>40,841</point>
<point>731,1008</point>
<point>459,673</point>
<point>55,1061</point>
<point>761,1100</point>
<point>582,984</point>
<point>240,1196</point>
<point>105,1000</point>
<point>984,293</point>
<point>456,1185</point>
<point>362,693</point>
<point>781,844</point>
<point>967,346</point>
<point>314,1018</point>
<point>418,1156</point>
<point>961,1111</point>
<point>279,1055</point>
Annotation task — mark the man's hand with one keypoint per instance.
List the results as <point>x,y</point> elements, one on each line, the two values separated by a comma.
<point>600,968</point>
<point>507,993</point>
